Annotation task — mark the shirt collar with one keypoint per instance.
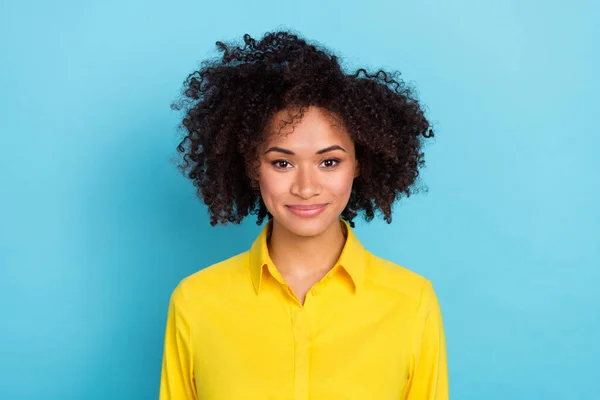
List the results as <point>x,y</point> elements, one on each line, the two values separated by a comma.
<point>352,258</point>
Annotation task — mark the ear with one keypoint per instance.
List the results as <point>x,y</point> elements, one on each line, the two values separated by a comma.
<point>356,169</point>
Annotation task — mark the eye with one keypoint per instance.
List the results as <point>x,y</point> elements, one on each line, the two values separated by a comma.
<point>281,164</point>
<point>331,162</point>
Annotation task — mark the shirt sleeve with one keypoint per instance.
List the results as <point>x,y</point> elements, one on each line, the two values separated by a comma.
<point>429,378</point>
<point>177,376</point>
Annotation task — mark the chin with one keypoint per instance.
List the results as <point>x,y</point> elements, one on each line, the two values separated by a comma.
<point>307,227</point>
<point>308,231</point>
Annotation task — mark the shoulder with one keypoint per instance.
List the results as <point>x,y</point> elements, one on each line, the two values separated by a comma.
<point>213,277</point>
<point>399,279</point>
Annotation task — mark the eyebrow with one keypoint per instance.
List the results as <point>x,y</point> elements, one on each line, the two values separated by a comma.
<point>291,153</point>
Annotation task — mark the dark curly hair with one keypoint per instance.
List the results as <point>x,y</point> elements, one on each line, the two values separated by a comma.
<point>229,102</point>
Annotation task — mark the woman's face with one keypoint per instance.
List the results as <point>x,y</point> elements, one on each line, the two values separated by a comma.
<point>306,176</point>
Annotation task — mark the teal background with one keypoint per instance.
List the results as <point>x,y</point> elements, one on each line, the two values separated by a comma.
<point>97,226</point>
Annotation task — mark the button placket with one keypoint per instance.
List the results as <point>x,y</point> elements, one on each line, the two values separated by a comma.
<point>301,352</point>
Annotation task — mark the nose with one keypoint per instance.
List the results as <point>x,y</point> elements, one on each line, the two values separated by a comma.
<point>306,183</point>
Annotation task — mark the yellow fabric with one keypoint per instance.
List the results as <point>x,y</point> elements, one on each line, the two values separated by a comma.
<point>369,330</point>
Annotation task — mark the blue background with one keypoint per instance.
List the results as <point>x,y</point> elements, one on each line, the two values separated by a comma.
<point>97,226</point>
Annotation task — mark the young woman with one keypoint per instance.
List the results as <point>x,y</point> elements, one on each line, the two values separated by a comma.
<point>276,129</point>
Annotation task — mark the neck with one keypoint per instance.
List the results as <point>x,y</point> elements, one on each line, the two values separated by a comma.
<point>305,257</point>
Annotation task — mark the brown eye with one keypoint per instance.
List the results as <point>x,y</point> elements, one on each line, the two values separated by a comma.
<point>281,164</point>
<point>331,162</point>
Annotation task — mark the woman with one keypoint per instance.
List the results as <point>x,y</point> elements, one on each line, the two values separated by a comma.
<point>276,129</point>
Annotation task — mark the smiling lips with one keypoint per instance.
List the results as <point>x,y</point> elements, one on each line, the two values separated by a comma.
<point>310,210</point>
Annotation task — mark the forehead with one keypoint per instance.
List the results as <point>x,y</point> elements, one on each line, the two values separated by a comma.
<point>316,128</point>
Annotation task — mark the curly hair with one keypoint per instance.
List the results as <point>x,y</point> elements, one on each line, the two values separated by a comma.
<point>229,102</point>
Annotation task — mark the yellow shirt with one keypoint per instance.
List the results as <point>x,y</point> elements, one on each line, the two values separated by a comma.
<point>369,330</point>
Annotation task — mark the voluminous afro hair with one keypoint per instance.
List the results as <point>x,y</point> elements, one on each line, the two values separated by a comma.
<point>229,102</point>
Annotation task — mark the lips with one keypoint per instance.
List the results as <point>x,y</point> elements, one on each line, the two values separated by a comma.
<point>306,210</point>
<point>306,207</point>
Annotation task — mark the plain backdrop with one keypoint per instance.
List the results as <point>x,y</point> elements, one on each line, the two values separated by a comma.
<point>97,226</point>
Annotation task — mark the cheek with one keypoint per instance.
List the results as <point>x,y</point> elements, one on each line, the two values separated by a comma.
<point>270,183</point>
<point>341,184</point>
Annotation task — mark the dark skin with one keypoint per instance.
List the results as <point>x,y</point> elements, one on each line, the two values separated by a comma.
<point>259,95</point>
<point>314,164</point>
